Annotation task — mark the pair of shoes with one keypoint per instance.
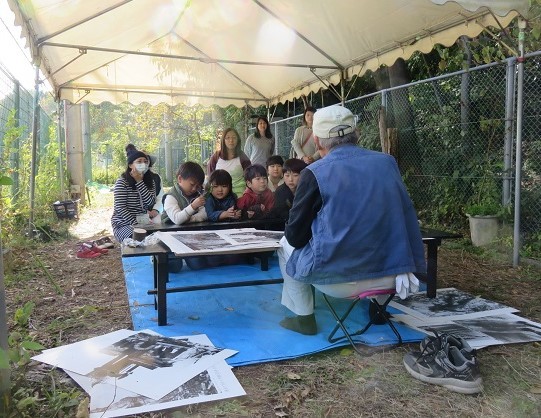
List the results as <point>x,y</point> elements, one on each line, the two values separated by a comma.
<point>438,341</point>
<point>94,247</point>
<point>104,242</point>
<point>84,251</point>
<point>441,362</point>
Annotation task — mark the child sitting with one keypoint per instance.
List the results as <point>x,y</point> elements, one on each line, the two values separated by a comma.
<point>184,202</point>
<point>257,200</point>
<point>274,168</point>
<point>220,204</point>
<point>284,194</point>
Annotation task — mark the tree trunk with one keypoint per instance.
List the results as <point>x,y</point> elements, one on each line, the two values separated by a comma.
<point>403,118</point>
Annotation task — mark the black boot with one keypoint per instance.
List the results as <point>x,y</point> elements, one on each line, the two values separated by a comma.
<point>303,324</point>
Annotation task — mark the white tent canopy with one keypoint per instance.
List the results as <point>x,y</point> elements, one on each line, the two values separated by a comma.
<point>234,51</point>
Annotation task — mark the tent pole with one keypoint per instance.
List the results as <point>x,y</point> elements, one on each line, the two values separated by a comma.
<point>518,150</point>
<point>34,153</point>
<point>342,88</point>
<point>60,148</point>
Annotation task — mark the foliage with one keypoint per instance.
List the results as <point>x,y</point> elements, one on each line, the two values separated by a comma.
<point>189,133</point>
<point>20,348</point>
<point>488,208</point>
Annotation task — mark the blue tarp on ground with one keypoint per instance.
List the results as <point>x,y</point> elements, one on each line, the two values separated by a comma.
<point>242,318</point>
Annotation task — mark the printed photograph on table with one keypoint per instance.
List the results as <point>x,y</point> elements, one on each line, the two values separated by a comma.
<point>203,241</point>
<point>257,236</point>
<point>221,241</point>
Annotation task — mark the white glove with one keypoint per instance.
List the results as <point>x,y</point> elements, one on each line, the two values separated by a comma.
<point>406,283</point>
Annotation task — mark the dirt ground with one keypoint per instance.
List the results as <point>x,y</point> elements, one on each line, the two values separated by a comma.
<point>79,298</point>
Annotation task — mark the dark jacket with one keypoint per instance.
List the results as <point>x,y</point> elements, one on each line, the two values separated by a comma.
<point>215,207</point>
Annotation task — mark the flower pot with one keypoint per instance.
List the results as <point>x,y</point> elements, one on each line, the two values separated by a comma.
<point>483,229</point>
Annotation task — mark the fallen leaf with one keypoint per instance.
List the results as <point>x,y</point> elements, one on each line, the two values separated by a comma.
<point>293,376</point>
<point>536,390</point>
<point>229,309</point>
<point>346,352</point>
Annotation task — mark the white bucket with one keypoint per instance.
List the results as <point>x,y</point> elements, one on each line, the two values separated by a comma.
<point>483,230</point>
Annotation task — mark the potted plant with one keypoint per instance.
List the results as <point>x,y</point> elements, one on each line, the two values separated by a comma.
<point>484,219</point>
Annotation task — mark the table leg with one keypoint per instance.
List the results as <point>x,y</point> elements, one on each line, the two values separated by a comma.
<point>264,262</point>
<point>432,267</point>
<point>155,276</point>
<point>161,276</point>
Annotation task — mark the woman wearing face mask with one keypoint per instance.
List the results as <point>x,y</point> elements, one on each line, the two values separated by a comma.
<point>134,195</point>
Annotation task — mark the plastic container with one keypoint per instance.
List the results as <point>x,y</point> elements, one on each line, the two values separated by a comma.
<point>66,209</point>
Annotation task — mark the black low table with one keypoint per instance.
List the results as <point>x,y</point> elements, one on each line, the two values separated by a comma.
<point>432,238</point>
<point>160,254</point>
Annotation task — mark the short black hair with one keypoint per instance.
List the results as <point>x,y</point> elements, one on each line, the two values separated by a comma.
<point>220,178</point>
<point>275,159</point>
<point>191,170</point>
<point>253,171</point>
<point>294,165</point>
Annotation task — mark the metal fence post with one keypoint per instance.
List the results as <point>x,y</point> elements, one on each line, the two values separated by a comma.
<point>16,144</point>
<point>518,158</point>
<point>509,119</point>
<point>33,164</point>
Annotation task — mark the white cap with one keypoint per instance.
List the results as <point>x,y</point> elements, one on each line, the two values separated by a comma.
<point>329,118</point>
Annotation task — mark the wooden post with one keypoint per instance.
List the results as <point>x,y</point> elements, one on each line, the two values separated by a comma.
<point>382,123</point>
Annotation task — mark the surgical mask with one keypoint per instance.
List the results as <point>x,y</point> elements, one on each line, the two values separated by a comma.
<point>141,167</point>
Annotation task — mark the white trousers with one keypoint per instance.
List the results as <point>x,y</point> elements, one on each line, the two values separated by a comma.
<point>298,296</point>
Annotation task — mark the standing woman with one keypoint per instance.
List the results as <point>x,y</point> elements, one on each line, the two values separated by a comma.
<point>231,159</point>
<point>303,140</point>
<point>134,194</point>
<point>260,145</point>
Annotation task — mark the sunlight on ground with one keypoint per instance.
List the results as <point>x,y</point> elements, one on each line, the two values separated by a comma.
<point>95,218</point>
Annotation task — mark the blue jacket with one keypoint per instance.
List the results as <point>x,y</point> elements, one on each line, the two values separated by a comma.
<point>366,227</point>
<point>215,207</point>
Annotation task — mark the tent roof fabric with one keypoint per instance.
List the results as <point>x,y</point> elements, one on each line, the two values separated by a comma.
<point>236,51</point>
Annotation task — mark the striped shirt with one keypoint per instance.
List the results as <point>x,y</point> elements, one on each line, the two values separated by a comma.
<point>130,202</point>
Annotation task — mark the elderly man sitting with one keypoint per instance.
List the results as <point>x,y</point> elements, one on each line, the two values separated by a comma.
<point>352,226</point>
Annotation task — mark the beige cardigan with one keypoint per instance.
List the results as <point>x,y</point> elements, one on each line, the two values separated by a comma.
<point>309,149</point>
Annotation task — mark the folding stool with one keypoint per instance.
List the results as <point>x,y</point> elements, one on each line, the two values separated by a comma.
<point>381,309</point>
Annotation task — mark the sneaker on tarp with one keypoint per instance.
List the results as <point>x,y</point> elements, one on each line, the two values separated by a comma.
<point>437,341</point>
<point>446,367</point>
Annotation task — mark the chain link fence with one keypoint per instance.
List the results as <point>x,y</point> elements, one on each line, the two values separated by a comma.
<point>455,133</point>
<point>456,136</point>
<point>16,116</point>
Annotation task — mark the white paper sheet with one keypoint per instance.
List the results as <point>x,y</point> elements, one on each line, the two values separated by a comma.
<point>450,303</point>
<point>141,362</point>
<point>217,382</point>
<point>225,241</point>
